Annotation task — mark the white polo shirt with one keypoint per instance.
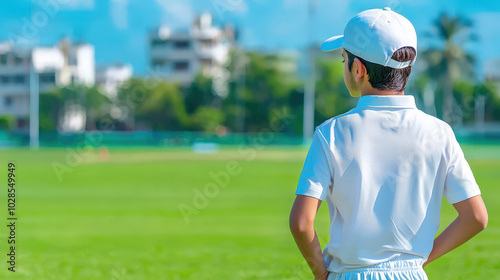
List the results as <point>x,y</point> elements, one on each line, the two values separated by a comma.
<point>383,168</point>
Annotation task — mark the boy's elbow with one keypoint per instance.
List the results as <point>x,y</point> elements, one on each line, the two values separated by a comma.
<point>303,214</point>
<point>483,220</point>
<point>294,225</point>
<point>473,212</point>
<point>298,226</point>
<point>479,221</point>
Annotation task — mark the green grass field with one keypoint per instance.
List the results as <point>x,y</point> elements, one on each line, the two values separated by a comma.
<point>120,218</point>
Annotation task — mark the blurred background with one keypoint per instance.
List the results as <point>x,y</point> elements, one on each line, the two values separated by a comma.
<point>166,73</point>
<point>163,139</point>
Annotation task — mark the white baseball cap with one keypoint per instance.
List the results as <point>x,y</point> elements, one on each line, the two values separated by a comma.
<point>374,35</point>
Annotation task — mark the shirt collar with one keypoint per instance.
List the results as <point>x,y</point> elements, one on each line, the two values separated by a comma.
<point>395,101</point>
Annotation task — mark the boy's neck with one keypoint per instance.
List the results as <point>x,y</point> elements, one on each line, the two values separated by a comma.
<point>383,92</point>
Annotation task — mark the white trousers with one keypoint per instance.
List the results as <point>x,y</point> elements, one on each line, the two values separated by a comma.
<point>390,270</point>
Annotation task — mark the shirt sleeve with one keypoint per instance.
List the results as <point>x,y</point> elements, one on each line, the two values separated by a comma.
<point>460,183</point>
<point>316,176</point>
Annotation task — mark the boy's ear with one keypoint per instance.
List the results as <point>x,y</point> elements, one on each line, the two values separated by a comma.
<point>360,71</point>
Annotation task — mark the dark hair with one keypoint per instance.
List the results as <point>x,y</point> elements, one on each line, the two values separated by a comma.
<point>386,78</point>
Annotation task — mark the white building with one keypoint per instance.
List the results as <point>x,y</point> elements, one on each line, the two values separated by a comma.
<point>109,78</point>
<point>60,65</point>
<point>179,55</point>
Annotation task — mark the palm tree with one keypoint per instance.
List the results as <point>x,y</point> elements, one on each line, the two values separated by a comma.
<point>450,61</point>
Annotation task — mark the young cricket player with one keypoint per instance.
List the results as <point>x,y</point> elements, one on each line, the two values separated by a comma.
<point>383,167</point>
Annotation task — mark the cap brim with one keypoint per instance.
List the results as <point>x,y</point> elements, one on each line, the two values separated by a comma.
<point>333,43</point>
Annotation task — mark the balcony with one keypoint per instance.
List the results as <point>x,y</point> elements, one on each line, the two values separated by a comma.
<point>172,53</point>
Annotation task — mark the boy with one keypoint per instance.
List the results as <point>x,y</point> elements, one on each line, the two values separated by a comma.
<point>382,167</point>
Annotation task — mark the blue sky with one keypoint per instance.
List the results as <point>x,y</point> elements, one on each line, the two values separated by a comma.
<point>118,28</point>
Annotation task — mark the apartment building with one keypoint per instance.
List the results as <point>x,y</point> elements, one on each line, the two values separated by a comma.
<point>179,55</point>
<point>59,65</point>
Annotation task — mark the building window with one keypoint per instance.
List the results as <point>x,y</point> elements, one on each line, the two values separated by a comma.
<point>8,101</point>
<point>47,78</point>
<point>182,45</point>
<point>18,60</point>
<point>19,79</point>
<point>3,59</point>
<point>181,66</point>
<point>158,62</point>
<point>4,79</point>
<point>158,43</point>
<point>206,43</point>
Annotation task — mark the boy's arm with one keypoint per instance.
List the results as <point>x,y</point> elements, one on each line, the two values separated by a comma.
<point>472,218</point>
<point>302,227</point>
